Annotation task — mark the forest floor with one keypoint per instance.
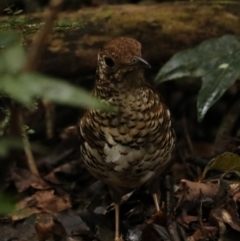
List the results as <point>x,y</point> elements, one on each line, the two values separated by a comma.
<point>200,191</point>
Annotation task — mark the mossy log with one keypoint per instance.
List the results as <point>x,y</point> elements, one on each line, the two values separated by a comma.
<point>163,29</point>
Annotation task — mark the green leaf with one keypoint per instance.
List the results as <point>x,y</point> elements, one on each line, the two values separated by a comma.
<point>10,85</point>
<point>6,9</point>
<point>13,59</point>
<point>217,61</point>
<point>18,12</point>
<point>226,162</point>
<point>8,144</point>
<point>12,55</point>
<point>25,87</point>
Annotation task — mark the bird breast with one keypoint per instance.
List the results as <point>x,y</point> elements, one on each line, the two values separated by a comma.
<point>129,148</point>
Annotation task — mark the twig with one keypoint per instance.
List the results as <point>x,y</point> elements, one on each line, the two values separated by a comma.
<point>32,62</point>
<point>49,117</point>
<point>187,136</point>
<point>27,148</point>
<point>226,126</point>
<point>40,40</point>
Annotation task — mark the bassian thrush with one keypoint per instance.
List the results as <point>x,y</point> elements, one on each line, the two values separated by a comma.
<point>130,147</point>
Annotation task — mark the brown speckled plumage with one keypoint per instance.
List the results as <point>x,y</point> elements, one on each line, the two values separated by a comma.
<point>131,147</point>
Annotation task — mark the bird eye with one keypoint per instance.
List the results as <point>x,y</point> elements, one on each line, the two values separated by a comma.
<point>134,60</point>
<point>109,62</point>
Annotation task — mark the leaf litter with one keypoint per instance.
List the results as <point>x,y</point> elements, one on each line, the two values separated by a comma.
<point>202,209</point>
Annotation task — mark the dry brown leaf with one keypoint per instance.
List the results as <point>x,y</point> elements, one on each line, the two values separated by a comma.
<point>206,233</point>
<point>43,226</point>
<point>24,179</point>
<point>44,200</point>
<point>49,202</point>
<point>25,208</point>
<point>194,191</point>
<point>187,219</point>
<point>24,213</point>
<point>69,169</point>
<point>228,214</point>
<point>47,226</point>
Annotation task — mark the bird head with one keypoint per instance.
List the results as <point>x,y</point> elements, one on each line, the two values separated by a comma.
<point>120,61</point>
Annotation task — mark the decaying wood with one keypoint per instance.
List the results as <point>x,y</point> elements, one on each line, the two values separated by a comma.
<point>163,29</point>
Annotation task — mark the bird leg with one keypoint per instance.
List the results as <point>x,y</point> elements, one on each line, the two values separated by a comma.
<point>117,234</point>
<point>116,195</point>
<point>155,191</point>
<point>156,202</point>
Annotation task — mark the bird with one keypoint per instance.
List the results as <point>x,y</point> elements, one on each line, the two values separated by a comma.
<point>131,146</point>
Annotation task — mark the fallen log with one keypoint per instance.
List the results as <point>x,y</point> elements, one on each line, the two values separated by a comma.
<point>163,29</point>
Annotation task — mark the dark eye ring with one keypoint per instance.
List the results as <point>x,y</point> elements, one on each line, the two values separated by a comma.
<point>109,62</point>
<point>134,60</point>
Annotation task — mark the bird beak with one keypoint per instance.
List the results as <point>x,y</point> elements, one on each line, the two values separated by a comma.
<point>140,61</point>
